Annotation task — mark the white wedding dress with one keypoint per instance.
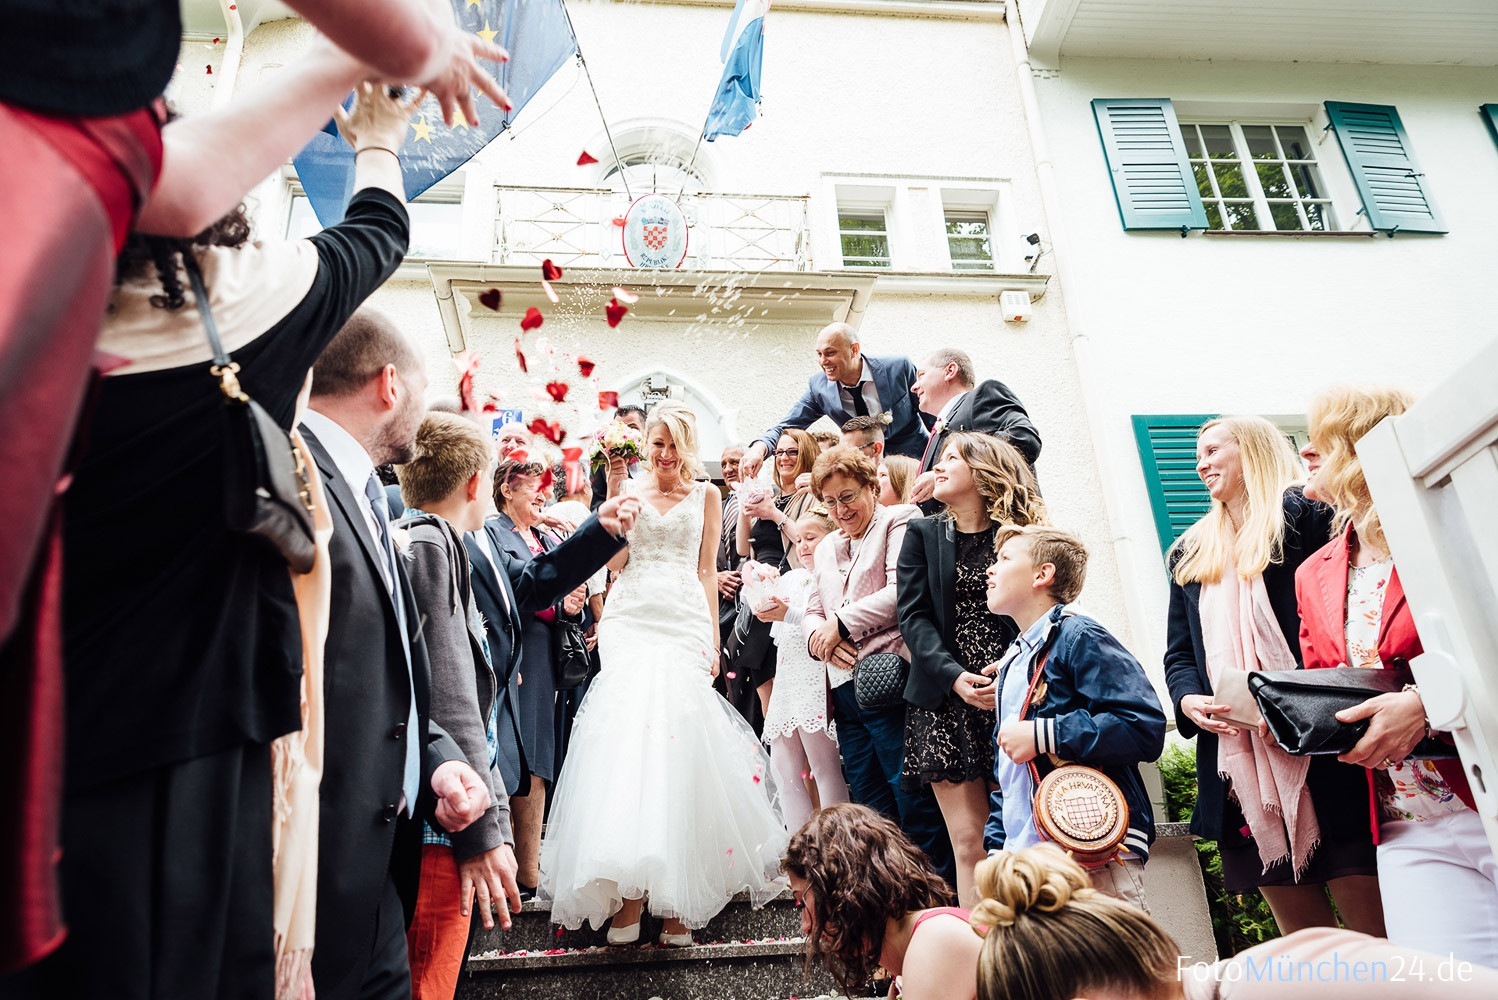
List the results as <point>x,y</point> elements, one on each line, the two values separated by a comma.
<point>665,792</point>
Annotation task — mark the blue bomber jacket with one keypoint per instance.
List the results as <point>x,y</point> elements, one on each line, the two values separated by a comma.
<point>1098,709</point>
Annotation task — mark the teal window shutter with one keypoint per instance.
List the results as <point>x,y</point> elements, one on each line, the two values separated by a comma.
<point>1152,179</point>
<point>1490,115</point>
<point>1383,165</point>
<point>1167,451</point>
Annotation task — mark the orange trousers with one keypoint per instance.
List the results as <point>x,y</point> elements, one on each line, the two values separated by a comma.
<point>439,931</point>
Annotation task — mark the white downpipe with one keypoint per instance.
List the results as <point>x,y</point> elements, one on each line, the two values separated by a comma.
<point>228,70</point>
<point>1087,374</point>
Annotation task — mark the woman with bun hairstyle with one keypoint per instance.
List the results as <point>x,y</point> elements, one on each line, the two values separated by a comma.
<point>1048,935</point>
<point>869,900</point>
<point>1436,870</point>
<point>1304,827</point>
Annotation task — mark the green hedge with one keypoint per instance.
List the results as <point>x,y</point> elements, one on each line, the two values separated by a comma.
<point>1239,920</point>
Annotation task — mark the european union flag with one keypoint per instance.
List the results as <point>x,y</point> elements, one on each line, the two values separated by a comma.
<point>539,39</point>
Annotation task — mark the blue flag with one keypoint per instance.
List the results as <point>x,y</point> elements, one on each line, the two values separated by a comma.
<point>742,54</point>
<point>539,40</point>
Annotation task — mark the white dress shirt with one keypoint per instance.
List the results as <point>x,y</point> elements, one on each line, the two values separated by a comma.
<point>950,408</point>
<point>866,386</point>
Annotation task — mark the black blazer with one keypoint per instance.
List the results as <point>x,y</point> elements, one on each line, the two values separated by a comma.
<point>1339,791</point>
<point>531,585</point>
<point>926,600</point>
<point>991,408</point>
<point>363,836</point>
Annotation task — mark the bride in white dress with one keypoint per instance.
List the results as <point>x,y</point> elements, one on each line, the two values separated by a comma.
<point>666,797</point>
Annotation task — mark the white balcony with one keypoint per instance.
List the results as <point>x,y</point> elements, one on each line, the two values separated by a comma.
<point>575,227</point>
<point>1424,32</point>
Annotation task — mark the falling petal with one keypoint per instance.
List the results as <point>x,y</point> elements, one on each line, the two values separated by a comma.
<point>549,271</point>
<point>615,312</point>
<point>532,320</point>
<point>519,355</point>
<point>551,293</point>
<point>610,401</point>
<point>557,390</point>
<point>625,295</point>
<point>544,344</point>
<point>586,158</point>
<point>210,70</point>
<point>492,298</point>
<point>618,220</point>
<point>585,365</point>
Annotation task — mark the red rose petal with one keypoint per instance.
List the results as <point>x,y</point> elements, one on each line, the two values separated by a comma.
<point>585,365</point>
<point>492,298</point>
<point>756,779</point>
<point>492,406</point>
<point>586,158</point>
<point>548,478</point>
<point>215,41</point>
<point>520,455</point>
<point>557,390</point>
<point>551,430</point>
<point>608,401</point>
<point>210,70</point>
<point>615,311</point>
<point>520,357</point>
<point>550,271</point>
<point>618,220</point>
<point>533,319</point>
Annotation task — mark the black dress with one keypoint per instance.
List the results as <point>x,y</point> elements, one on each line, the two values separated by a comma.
<point>955,742</point>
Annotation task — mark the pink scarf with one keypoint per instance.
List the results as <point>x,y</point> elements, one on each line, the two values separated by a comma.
<point>1240,632</point>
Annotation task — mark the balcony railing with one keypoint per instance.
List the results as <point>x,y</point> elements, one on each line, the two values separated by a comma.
<point>727,232</point>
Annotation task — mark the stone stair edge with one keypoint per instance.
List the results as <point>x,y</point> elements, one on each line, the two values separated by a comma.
<point>628,955</point>
<point>544,905</point>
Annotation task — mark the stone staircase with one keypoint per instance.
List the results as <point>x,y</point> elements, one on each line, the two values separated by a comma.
<point>743,954</point>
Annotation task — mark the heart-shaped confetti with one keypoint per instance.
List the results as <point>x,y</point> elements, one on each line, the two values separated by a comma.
<point>618,220</point>
<point>520,357</point>
<point>608,401</point>
<point>586,158</point>
<point>532,319</point>
<point>210,70</point>
<point>615,311</point>
<point>550,271</point>
<point>557,390</point>
<point>551,430</point>
<point>625,295</point>
<point>491,299</point>
<point>585,365</point>
<point>520,455</point>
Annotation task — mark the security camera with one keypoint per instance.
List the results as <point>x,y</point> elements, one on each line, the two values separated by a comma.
<point>1033,239</point>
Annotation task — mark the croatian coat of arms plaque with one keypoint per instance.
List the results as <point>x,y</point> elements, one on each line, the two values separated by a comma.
<point>655,233</point>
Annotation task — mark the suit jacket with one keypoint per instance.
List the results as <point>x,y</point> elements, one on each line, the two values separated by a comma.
<point>893,377</point>
<point>926,577</point>
<point>1336,788</point>
<point>860,589</point>
<point>530,585</point>
<point>363,836</point>
<point>990,408</point>
<point>1321,595</point>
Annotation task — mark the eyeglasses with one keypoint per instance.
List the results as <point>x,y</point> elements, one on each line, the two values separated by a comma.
<point>786,452</point>
<point>865,447</point>
<point>844,499</point>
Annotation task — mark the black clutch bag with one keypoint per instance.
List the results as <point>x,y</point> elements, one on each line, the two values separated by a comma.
<point>879,680</point>
<point>570,661</point>
<point>267,492</point>
<point>1301,706</point>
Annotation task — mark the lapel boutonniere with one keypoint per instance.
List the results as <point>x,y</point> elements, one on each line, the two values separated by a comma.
<point>938,427</point>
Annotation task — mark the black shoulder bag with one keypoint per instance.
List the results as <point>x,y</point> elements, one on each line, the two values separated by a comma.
<point>570,660</point>
<point>266,485</point>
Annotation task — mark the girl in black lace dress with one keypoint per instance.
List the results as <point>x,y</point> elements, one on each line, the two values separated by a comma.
<point>953,640</point>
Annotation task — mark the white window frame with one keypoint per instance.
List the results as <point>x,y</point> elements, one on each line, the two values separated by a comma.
<point>451,190</point>
<point>973,216</point>
<point>915,210</point>
<point>873,263</point>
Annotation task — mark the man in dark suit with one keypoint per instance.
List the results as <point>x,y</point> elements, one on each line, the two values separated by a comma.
<point>945,387</point>
<point>386,768</point>
<point>851,384</point>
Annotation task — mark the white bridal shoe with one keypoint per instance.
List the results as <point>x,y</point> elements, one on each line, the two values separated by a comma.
<point>628,934</point>
<point>677,940</point>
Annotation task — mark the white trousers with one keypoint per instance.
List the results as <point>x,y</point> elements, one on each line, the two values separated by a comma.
<point>1440,886</point>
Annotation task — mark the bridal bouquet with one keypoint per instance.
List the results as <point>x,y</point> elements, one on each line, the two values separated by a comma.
<point>616,439</point>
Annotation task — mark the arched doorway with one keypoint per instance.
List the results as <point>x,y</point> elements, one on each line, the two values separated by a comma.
<point>717,424</point>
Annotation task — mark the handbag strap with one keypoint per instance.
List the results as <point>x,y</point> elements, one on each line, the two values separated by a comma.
<point>226,371</point>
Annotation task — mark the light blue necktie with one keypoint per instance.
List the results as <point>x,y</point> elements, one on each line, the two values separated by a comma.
<point>411,785</point>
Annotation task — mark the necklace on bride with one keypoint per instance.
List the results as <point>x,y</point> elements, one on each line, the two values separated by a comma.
<point>678,490</point>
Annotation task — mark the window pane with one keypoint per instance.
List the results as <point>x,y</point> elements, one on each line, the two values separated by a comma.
<point>1219,140</point>
<point>1285,216</point>
<point>1193,143</point>
<point>865,222</point>
<point>865,246</point>
<point>1214,218</point>
<point>1307,180</point>
<point>1260,142</point>
<point>1272,178</point>
<point>970,248</point>
<point>1240,214</point>
<point>436,229</point>
<point>854,262</point>
<point>1319,214</point>
<point>973,227</point>
<point>1296,145</point>
<point>1230,180</point>
<point>1203,180</point>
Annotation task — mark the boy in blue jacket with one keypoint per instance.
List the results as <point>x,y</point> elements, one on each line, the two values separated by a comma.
<point>1093,706</point>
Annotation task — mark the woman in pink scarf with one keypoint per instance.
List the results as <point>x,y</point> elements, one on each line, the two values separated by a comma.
<point>1289,826</point>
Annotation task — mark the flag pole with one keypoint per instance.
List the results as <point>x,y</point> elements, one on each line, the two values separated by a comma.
<point>582,61</point>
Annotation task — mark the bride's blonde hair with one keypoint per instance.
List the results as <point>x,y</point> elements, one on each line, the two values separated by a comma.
<point>1048,935</point>
<point>681,423</point>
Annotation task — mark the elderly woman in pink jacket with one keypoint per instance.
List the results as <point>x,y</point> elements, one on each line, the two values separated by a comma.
<point>850,614</point>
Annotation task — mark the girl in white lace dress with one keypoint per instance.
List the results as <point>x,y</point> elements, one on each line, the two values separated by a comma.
<point>665,795</point>
<point>801,735</point>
